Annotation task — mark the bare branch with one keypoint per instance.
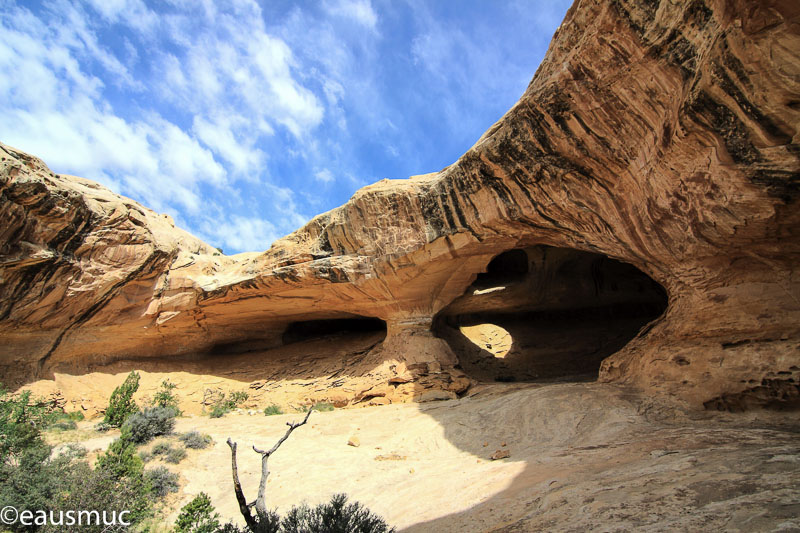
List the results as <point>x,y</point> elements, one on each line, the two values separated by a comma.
<point>259,503</point>
<point>237,488</point>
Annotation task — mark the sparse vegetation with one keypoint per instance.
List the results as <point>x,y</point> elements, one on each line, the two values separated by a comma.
<point>237,398</point>
<point>162,481</point>
<point>320,406</point>
<point>121,404</point>
<point>195,440</point>
<point>223,405</point>
<point>272,410</point>
<point>218,411</point>
<point>63,424</point>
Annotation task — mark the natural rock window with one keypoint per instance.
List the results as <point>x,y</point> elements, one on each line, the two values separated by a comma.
<point>548,314</point>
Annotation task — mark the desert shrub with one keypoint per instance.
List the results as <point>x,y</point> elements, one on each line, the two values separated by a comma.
<point>336,516</point>
<point>237,398</point>
<point>166,398</point>
<point>63,421</point>
<point>320,406</point>
<point>33,478</point>
<point>175,455</point>
<point>121,404</point>
<point>58,419</point>
<point>273,410</point>
<point>230,527</point>
<point>195,440</point>
<point>223,404</point>
<point>161,448</point>
<point>144,426</point>
<point>21,423</point>
<point>162,481</point>
<point>121,460</point>
<point>218,411</point>
<point>64,424</point>
<point>101,490</point>
<point>145,456</point>
<point>102,427</point>
<point>73,450</point>
<point>198,516</point>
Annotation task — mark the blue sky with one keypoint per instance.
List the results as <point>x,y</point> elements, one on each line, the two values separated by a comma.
<point>245,118</point>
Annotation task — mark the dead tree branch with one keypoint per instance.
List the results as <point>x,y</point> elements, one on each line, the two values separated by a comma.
<point>260,501</point>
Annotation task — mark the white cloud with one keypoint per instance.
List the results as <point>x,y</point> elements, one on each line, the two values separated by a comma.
<point>324,175</point>
<point>241,233</point>
<point>359,11</point>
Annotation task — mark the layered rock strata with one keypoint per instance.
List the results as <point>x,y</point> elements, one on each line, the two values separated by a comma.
<point>663,135</point>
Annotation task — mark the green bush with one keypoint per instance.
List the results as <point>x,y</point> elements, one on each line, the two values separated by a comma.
<point>333,517</point>
<point>218,411</point>
<point>273,410</point>
<point>161,481</point>
<point>175,455</point>
<point>321,407</point>
<point>21,423</point>
<point>33,478</point>
<point>73,450</point>
<point>198,516</point>
<point>62,419</point>
<point>195,440</point>
<point>161,448</point>
<point>98,489</point>
<point>121,404</point>
<point>121,460</point>
<point>166,398</point>
<point>64,424</point>
<point>144,426</point>
<point>223,405</point>
<point>237,398</point>
<point>102,427</point>
<point>145,456</point>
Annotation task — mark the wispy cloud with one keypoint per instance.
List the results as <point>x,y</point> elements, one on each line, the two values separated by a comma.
<point>360,11</point>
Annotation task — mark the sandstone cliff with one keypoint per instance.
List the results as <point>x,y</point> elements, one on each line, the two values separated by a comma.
<point>655,134</point>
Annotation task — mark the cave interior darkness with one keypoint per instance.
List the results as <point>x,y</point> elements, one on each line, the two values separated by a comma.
<point>548,314</point>
<point>308,330</point>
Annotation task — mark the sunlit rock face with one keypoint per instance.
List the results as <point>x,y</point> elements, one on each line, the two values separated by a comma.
<point>662,135</point>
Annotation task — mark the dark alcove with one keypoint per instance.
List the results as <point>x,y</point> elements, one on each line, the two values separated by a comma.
<point>548,314</point>
<point>315,329</point>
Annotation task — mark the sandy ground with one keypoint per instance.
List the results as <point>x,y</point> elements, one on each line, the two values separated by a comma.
<point>583,457</point>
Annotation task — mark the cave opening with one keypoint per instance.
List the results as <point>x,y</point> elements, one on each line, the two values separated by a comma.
<point>307,330</point>
<point>548,314</point>
<point>508,266</point>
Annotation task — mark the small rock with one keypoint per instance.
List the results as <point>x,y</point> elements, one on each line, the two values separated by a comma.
<point>354,441</point>
<point>500,454</point>
<point>436,395</point>
<point>504,444</point>
<point>379,400</point>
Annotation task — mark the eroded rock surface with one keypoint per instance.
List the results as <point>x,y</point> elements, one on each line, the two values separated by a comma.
<point>663,135</point>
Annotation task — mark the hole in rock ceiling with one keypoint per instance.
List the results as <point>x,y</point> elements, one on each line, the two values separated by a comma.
<point>316,329</point>
<point>548,314</point>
